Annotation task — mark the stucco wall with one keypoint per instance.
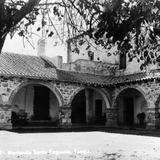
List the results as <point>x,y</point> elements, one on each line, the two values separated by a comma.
<point>24,100</point>
<point>54,107</point>
<point>139,107</point>
<point>134,66</point>
<point>105,55</point>
<point>100,54</point>
<point>98,96</point>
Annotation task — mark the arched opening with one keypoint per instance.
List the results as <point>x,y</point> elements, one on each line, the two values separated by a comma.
<point>89,107</point>
<point>37,102</point>
<point>132,107</point>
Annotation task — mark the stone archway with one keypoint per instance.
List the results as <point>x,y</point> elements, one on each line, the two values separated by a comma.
<point>130,103</point>
<point>48,85</point>
<point>38,100</point>
<point>89,106</point>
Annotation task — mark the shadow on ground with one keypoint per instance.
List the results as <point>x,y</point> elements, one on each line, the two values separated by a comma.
<point>130,131</point>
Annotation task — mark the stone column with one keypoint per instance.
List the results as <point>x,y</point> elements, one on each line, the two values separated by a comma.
<point>111,117</point>
<point>65,116</point>
<point>157,117</point>
<point>152,118</point>
<point>89,106</point>
<point>5,117</point>
<point>152,115</point>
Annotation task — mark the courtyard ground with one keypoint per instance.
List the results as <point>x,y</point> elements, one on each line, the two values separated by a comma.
<point>83,145</point>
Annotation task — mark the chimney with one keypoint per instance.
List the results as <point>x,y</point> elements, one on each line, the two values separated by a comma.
<point>69,51</point>
<point>41,46</point>
<point>57,61</point>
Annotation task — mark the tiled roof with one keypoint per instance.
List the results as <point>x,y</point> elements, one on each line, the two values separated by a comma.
<point>19,65</point>
<point>137,77</point>
<point>85,78</point>
<point>34,67</point>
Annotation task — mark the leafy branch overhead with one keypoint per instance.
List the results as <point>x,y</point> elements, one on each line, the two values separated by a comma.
<point>131,25</point>
<point>11,13</point>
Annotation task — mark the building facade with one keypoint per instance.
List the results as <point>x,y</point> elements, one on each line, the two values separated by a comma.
<point>81,92</point>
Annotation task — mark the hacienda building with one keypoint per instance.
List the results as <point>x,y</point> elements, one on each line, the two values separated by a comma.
<point>41,90</point>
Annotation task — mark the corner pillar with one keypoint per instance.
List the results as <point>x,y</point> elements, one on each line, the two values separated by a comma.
<point>5,117</point>
<point>65,116</point>
<point>111,117</point>
<point>152,116</point>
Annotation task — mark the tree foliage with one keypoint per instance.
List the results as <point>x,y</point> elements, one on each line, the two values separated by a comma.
<point>131,25</point>
<point>11,13</point>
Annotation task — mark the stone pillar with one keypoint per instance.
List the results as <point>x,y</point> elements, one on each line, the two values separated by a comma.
<point>152,118</point>
<point>157,117</point>
<point>152,115</point>
<point>89,106</point>
<point>5,117</point>
<point>65,116</point>
<point>111,117</point>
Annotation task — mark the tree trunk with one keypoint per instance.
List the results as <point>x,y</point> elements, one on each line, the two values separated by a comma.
<point>2,40</point>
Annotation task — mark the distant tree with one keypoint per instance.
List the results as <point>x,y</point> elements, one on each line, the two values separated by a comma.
<point>131,25</point>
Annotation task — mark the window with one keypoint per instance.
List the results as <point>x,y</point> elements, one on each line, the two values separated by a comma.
<point>91,55</point>
<point>122,64</point>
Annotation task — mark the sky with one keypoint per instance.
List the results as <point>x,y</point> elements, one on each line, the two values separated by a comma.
<point>16,45</point>
<point>20,46</point>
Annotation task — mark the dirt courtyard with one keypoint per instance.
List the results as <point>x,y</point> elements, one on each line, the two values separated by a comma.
<point>95,145</point>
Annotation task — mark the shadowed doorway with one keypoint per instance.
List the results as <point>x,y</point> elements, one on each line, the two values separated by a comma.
<point>128,111</point>
<point>78,115</point>
<point>41,103</point>
<point>88,107</point>
<point>130,103</point>
<point>100,117</point>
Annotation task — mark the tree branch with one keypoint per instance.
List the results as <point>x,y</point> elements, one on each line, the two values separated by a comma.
<point>53,3</point>
<point>26,9</point>
<point>2,10</point>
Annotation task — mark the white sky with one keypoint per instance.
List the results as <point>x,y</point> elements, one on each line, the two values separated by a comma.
<point>15,45</point>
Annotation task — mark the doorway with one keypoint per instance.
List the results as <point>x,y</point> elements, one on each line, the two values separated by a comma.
<point>128,111</point>
<point>78,115</point>
<point>41,103</point>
